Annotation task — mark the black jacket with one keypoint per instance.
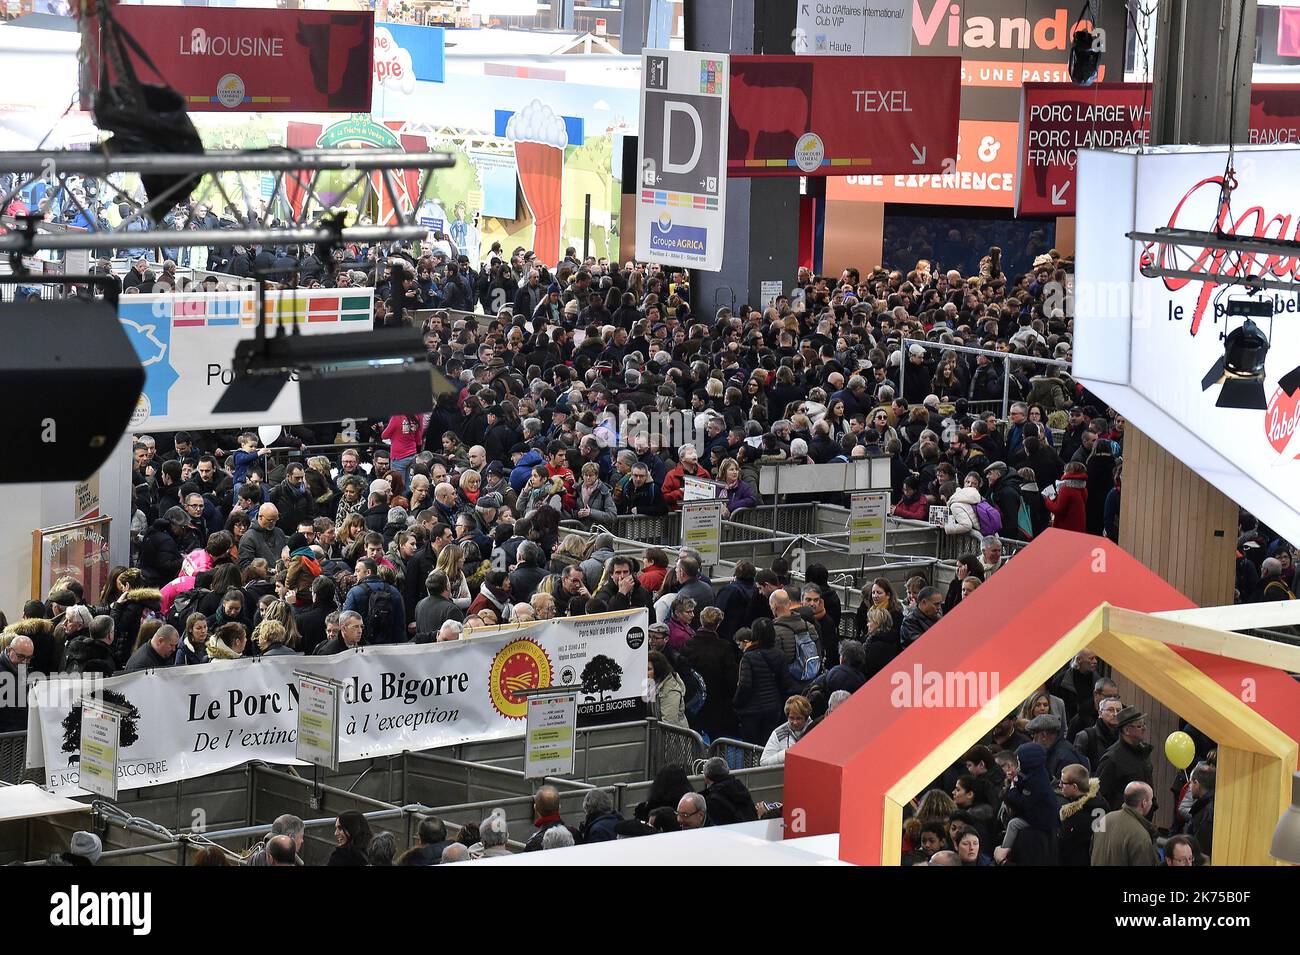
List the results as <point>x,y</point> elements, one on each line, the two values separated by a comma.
<point>311,626</point>
<point>432,612</point>
<point>295,507</point>
<point>1094,741</point>
<point>729,801</point>
<point>763,681</point>
<point>913,626</point>
<point>1200,822</point>
<point>13,716</point>
<point>146,658</point>
<point>85,654</point>
<point>418,568</point>
<point>160,554</point>
<point>715,660</point>
<point>1005,496</point>
<point>1121,765</point>
<point>1077,821</point>
<point>140,604</point>
<point>734,601</point>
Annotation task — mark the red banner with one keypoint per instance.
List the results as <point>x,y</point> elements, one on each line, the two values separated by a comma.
<point>257,60</point>
<point>843,115</point>
<point>1057,120</point>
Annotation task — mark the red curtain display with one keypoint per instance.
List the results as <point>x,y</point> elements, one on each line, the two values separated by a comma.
<point>541,171</point>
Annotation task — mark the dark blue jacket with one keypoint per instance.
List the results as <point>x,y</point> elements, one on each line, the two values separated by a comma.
<point>600,828</point>
<point>524,469</point>
<point>358,599</point>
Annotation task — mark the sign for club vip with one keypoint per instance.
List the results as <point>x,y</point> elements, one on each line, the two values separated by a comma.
<point>317,739</point>
<point>100,734</point>
<point>853,29</point>
<point>867,513</point>
<point>702,529</point>
<point>552,725</point>
<point>682,150</point>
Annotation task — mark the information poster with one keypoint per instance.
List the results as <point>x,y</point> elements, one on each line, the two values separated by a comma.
<point>867,513</point>
<point>702,529</point>
<point>938,514</point>
<point>318,720</point>
<point>552,725</point>
<point>100,732</point>
<point>699,489</point>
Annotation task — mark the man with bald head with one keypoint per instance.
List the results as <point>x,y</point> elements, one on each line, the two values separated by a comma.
<point>264,538</point>
<point>693,812</point>
<point>1125,837</point>
<point>546,810</point>
<point>14,662</point>
<point>158,653</point>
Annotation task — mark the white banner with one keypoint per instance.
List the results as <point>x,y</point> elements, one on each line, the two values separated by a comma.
<point>190,721</point>
<point>682,159</point>
<point>825,28</point>
<point>1154,347</point>
<point>186,343</point>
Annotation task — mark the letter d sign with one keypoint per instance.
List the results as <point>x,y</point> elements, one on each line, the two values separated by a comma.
<point>693,115</point>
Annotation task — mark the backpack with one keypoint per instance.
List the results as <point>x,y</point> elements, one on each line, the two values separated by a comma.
<point>184,605</point>
<point>380,614</point>
<point>807,663</point>
<point>696,690</point>
<point>990,518</point>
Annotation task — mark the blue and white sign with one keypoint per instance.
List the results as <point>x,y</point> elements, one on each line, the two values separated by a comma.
<point>681,194</point>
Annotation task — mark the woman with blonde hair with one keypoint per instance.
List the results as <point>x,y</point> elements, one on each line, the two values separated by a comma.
<point>469,484</point>
<point>451,561</point>
<point>350,534</point>
<point>272,639</point>
<point>280,612</point>
<point>572,549</point>
<point>798,718</point>
<point>1040,703</point>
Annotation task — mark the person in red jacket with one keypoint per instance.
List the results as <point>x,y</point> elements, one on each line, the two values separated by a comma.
<point>557,465</point>
<point>675,480</point>
<point>913,505</point>
<point>1069,506</point>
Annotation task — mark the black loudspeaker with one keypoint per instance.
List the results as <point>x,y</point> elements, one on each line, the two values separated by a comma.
<point>631,178</point>
<point>74,381</point>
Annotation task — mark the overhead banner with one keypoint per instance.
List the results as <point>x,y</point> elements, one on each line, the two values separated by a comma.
<point>1003,44</point>
<point>184,722</point>
<point>822,116</point>
<point>826,28</point>
<point>256,60</point>
<point>186,342</point>
<point>681,158</point>
<point>1059,119</point>
<point>1154,347</point>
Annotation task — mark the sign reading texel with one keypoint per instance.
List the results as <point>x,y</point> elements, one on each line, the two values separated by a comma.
<point>831,28</point>
<point>257,60</point>
<point>682,149</point>
<point>1154,347</point>
<point>823,116</point>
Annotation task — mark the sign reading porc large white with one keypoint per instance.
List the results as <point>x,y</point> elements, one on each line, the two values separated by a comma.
<point>1153,347</point>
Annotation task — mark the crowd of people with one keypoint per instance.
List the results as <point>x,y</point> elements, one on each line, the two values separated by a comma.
<point>563,399</point>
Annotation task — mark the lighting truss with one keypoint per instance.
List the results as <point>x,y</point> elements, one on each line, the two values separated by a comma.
<point>298,168</point>
<point>1231,244</point>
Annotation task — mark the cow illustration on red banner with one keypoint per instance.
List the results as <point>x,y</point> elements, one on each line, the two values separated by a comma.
<point>539,138</point>
<point>843,115</point>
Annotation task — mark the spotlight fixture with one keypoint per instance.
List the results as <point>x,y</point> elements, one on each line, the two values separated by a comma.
<point>367,374</point>
<point>1241,369</point>
<point>1085,56</point>
<point>1286,838</point>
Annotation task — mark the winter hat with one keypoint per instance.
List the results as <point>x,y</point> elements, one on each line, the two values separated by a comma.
<point>916,351</point>
<point>571,308</point>
<point>1130,714</point>
<point>1044,723</point>
<point>553,287</point>
<point>496,467</point>
<point>398,515</point>
<point>297,542</point>
<point>489,501</point>
<point>87,846</point>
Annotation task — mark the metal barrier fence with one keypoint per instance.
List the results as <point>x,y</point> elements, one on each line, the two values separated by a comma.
<point>1005,357</point>
<point>737,753</point>
<point>13,756</point>
<point>674,746</point>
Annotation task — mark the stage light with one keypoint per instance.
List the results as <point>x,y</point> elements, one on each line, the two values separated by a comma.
<point>1286,839</point>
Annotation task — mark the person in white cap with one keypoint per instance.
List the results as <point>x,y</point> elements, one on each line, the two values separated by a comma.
<point>84,850</point>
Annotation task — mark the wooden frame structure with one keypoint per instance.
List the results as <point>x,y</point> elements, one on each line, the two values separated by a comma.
<point>858,772</point>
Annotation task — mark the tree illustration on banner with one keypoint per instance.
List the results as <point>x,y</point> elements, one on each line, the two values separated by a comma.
<point>602,675</point>
<point>539,138</point>
<point>127,726</point>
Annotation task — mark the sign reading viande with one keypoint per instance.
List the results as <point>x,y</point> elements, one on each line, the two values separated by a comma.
<point>1176,355</point>
<point>184,722</point>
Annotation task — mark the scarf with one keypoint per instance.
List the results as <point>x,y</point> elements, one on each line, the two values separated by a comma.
<point>217,650</point>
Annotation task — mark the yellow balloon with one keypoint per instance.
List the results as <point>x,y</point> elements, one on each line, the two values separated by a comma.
<point>1180,749</point>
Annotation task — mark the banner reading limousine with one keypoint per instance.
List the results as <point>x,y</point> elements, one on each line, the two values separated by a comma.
<point>190,721</point>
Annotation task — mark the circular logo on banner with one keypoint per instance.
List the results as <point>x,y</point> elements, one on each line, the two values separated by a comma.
<point>230,90</point>
<point>809,152</point>
<point>141,413</point>
<point>567,675</point>
<point>635,637</point>
<point>522,665</point>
